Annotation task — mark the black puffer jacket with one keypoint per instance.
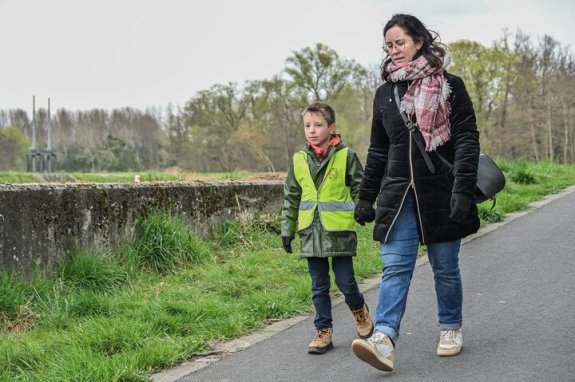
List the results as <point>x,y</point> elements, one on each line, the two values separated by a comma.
<point>393,156</point>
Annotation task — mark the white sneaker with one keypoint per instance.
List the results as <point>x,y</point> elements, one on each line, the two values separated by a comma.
<point>377,351</point>
<point>450,343</point>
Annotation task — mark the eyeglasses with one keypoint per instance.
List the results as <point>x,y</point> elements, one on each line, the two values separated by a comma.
<point>399,45</point>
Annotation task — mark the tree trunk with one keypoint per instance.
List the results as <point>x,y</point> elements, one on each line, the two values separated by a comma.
<point>549,133</point>
<point>566,133</point>
<point>533,135</point>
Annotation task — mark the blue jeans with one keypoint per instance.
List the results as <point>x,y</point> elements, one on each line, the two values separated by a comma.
<point>345,281</point>
<point>398,256</point>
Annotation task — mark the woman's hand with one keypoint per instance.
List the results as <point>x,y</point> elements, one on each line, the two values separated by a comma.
<point>364,212</point>
<point>460,206</point>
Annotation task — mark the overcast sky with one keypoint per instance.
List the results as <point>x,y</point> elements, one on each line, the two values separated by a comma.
<point>115,53</point>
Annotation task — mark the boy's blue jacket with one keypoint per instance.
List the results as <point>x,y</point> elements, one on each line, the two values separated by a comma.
<point>315,241</point>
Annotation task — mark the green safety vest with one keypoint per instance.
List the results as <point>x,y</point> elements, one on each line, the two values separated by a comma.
<point>333,199</point>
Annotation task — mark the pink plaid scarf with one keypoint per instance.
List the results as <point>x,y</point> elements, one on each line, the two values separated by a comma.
<point>426,97</point>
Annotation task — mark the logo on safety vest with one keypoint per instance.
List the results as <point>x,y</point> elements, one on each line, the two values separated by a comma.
<point>332,174</point>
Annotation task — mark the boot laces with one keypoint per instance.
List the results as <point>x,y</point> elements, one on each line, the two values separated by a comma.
<point>321,334</point>
<point>360,316</point>
<point>376,338</point>
<point>448,336</point>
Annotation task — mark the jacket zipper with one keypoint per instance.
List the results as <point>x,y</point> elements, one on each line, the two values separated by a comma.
<point>411,184</point>
<point>414,190</point>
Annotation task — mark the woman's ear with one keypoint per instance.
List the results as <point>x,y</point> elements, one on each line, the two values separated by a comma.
<point>419,45</point>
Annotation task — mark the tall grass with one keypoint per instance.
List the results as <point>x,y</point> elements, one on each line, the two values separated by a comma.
<point>89,271</point>
<point>163,243</point>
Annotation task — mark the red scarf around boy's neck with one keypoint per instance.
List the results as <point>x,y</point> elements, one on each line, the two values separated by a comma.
<point>319,152</point>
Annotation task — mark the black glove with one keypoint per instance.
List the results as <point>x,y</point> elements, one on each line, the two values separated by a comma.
<point>364,212</point>
<point>286,242</point>
<point>460,206</point>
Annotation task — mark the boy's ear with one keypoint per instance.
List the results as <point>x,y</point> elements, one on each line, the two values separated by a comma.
<point>332,128</point>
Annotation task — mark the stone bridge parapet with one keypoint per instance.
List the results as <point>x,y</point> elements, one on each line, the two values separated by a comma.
<point>41,223</point>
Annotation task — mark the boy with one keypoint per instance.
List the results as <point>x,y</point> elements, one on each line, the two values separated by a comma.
<point>321,186</point>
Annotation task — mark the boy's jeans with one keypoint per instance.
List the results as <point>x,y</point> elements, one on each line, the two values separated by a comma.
<point>345,281</point>
<point>398,256</point>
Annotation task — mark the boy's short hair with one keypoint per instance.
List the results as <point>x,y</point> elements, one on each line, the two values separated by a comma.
<point>324,109</point>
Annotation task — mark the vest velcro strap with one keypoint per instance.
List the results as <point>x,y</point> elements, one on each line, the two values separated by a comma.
<point>305,205</point>
<point>336,206</point>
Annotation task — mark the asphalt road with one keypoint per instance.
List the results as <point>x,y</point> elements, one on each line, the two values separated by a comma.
<point>519,317</point>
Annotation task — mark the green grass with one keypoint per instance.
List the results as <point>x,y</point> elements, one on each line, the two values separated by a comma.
<point>113,329</point>
<point>123,177</point>
<point>163,245</point>
<point>525,183</point>
<point>162,298</point>
<point>14,177</point>
<point>93,272</point>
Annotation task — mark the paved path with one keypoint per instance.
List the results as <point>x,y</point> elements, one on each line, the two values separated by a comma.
<point>519,318</point>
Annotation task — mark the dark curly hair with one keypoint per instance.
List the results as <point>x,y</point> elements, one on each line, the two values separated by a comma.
<point>432,48</point>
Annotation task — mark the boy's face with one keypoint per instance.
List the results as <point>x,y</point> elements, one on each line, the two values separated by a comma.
<point>316,129</point>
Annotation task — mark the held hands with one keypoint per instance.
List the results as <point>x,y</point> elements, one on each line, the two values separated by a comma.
<point>286,242</point>
<point>460,206</point>
<point>364,212</point>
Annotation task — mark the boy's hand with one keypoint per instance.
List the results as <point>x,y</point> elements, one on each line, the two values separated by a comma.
<point>364,212</point>
<point>286,241</point>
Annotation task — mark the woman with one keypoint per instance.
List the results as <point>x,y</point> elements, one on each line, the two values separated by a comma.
<point>418,199</point>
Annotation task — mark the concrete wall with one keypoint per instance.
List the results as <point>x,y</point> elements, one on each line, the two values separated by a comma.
<point>41,224</point>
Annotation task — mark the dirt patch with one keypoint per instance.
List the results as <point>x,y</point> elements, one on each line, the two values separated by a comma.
<point>265,176</point>
<point>23,319</point>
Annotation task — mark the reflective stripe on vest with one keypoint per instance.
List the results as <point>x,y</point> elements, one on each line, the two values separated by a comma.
<point>333,199</point>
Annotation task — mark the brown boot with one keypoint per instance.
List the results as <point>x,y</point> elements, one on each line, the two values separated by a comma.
<point>363,323</point>
<point>321,342</point>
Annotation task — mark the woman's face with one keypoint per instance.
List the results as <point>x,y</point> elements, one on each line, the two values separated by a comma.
<point>400,46</point>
